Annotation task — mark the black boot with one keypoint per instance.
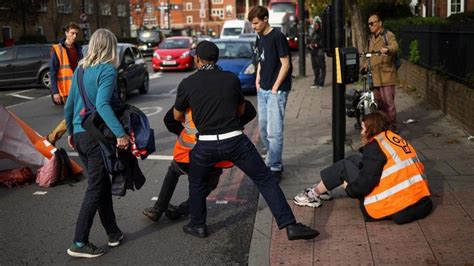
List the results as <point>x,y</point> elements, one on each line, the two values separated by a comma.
<point>153,213</point>
<point>300,231</point>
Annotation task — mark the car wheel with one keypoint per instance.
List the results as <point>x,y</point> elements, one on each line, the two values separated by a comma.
<point>146,85</point>
<point>45,78</point>
<point>122,90</point>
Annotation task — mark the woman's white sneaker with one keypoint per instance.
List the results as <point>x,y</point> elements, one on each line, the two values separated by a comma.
<point>307,199</point>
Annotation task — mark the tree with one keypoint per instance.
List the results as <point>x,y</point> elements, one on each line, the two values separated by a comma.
<point>359,37</point>
<point>24,12</point>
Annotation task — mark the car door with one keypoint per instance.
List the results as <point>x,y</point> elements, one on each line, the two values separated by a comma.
<point>6,66</point>
<point>28,62</point>
<point>140,65</point>
<point>129,68</point>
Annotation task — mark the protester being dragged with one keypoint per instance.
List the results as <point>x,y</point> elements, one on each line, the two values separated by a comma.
<point>180,164</point>
<point>386,176</point>
<point>100,76</point>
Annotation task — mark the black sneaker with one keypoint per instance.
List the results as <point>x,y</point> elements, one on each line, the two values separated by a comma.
<point>198,231</point>
<point>176,212</point>
<point>115,239</point>
<point>300,231</point>
<point>153,213</point>
<point>86,251</point>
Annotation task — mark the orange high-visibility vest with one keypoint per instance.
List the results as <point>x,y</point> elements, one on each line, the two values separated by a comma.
<point>403,182</point>
<point>64,73</point>
<point>186,141</point>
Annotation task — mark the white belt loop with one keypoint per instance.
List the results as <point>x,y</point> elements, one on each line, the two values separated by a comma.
<point>227,135</point>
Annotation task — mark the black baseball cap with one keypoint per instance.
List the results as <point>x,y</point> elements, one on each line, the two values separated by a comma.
<point>208,51</point>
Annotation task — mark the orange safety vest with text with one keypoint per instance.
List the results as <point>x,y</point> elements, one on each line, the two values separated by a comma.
<point>403,181</point>
<point>186,141</point>
<point>64,73</point>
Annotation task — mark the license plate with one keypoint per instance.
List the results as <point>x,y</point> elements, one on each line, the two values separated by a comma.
<point>167,63</point>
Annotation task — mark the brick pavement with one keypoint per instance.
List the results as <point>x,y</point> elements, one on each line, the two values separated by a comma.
<point>444,237</point>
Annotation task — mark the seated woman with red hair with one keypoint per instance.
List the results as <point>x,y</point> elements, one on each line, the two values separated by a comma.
<point>386,176</point>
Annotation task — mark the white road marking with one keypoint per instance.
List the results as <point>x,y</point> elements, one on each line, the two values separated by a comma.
<point>17,94</point>
<point>154,198</point>
<point>156,75</point>
<point>150,157</point>
<point>18,104</point>
<point>222,202</point>
<point>149,111</point>
<point>41,193</point>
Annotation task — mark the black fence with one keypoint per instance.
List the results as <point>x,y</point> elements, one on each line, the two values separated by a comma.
<point>445,48</point>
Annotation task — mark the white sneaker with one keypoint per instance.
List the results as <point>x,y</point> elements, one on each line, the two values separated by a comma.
<point>307,198</point>
<point>325,196</point>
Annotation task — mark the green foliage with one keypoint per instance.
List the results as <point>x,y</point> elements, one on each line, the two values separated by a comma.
<point>414,56</point>
<point>394,25</point>
<point>466,17</point>
<point>32,38</point>
<point>387,9</point>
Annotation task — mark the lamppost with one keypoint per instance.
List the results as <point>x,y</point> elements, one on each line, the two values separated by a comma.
<point>168,13</point>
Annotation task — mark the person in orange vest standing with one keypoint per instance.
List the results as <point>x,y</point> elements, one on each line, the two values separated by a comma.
<point>180,165</point>
<point>64,59</point>
<point>387,177</point>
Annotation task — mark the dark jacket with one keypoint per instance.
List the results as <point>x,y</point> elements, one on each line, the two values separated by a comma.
<point>54,64</point>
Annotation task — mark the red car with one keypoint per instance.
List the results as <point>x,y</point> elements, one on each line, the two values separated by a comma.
<point>173,53</point>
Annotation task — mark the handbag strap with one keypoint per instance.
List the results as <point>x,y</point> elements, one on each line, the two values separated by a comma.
<point>82,91</point>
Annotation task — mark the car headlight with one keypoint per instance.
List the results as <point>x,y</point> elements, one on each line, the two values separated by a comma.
<point>156,55</point>
<point>250,69</point>
<point>185,54</point>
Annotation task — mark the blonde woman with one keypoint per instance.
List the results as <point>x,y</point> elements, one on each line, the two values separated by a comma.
<point>100,75</point>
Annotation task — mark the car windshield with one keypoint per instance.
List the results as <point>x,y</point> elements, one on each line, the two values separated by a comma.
<point>175,44</point>
<point>235,49</point>
<point>283,7</point>
<point>149,36</point>
<point>232,31</point>
<point>86,47</point>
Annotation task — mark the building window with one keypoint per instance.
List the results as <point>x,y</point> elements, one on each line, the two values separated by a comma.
<point>218,1</point>
<point>150,21</point>
<point>64,6</point>
<point>39,30</point>
<point>105,9</point>
<point>148,7</point>
<point>6,32</point>
<point>138,8</point>
<point>189,19</point>
<point>41,6</point>
<point>189,6</point>
<point>121,10</point>
<point>217,12</point>
<point>88,7</point>
<point>455,6</point>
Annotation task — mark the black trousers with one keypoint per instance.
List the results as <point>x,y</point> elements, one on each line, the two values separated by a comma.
<point>348,170</point>
<point>98,195</point>
<point>241,151</point>
<point>319,68</point>
<point>175,170</point>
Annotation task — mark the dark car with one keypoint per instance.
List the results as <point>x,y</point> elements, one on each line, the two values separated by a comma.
<point>148,40</point>
<point>132,73</point>
<point>25,64</point>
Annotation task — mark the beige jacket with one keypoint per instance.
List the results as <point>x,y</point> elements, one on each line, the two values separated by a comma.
<point>384,72</point>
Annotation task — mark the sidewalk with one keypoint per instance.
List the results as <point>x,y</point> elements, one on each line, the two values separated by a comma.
<point>445,236</point>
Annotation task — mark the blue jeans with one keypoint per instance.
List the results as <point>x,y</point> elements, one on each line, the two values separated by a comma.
<point>271,113</point>
<point>241,151</point>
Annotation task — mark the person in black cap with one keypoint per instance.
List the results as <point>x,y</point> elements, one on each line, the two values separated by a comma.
<point>217,102</point>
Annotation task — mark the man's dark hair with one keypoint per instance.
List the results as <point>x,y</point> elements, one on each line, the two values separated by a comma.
<point>71,25</point>
<point>379,17</point>
<point>259,12</point>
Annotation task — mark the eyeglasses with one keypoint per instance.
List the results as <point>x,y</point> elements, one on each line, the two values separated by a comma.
<point>372,23</point>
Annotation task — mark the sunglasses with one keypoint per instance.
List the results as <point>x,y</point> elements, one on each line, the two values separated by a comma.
<point>372,23</point>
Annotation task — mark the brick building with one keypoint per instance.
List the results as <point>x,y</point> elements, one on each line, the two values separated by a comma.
<point>50,16</point>
<point>443,8</point>
<point>205,16</point>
